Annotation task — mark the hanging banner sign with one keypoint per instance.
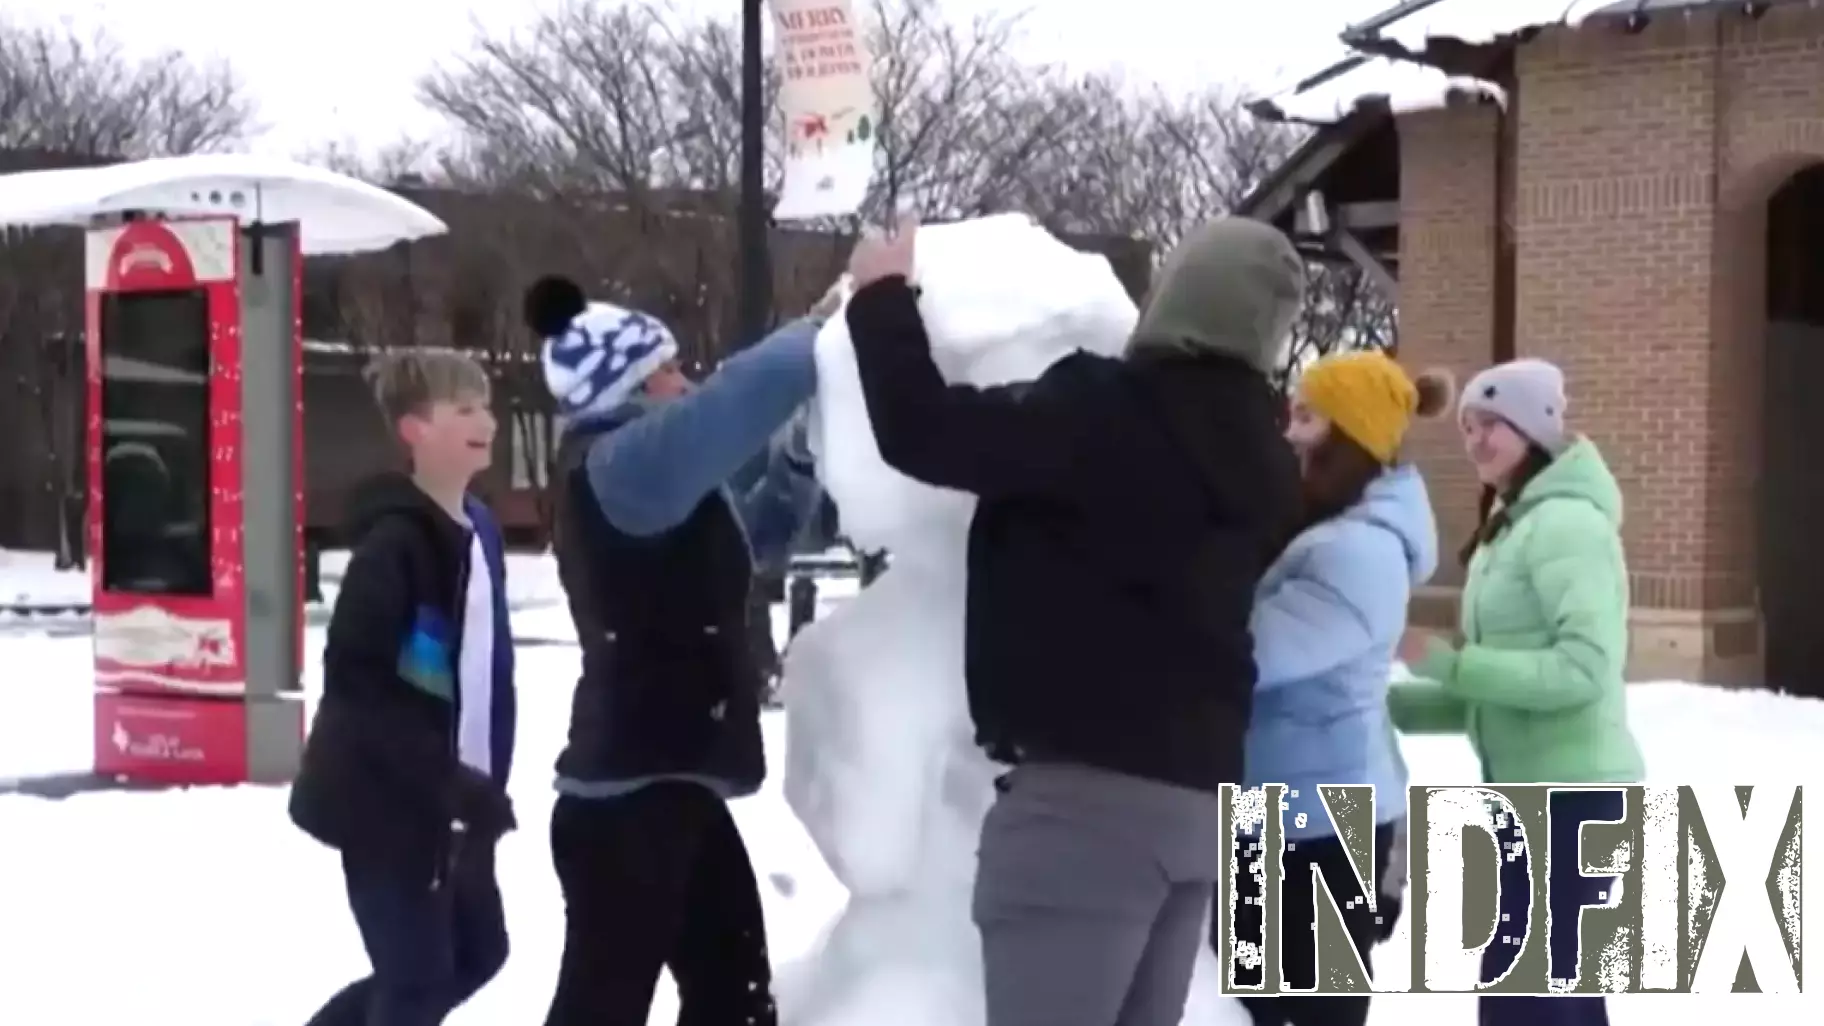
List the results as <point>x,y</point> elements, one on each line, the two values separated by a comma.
<point>830,120</point>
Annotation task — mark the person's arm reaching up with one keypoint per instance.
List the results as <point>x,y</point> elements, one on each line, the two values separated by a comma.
<point>650,473</point>
<point>1007,440</point>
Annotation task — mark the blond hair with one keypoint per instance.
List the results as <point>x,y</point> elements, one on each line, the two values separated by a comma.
<point>408,382</point>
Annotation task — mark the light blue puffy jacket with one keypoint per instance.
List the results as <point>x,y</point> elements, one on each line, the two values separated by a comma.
<point>1327,619</point>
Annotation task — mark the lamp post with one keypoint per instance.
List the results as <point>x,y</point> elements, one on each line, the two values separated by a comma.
<point>752,309</point>
<point>755,299</point>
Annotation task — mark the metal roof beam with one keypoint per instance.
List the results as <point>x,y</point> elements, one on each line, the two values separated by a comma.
<point>1372,27</point>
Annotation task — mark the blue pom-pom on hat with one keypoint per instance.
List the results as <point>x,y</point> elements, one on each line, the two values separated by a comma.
<point>602,358</point>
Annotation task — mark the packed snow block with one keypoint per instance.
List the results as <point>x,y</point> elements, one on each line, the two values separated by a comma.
<point>1002,300</point>
<point>881,764</point>
<point>869,730</point>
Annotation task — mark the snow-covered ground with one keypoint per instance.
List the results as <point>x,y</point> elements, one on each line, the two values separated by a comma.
<point>36,596</point>
<point>205,908</point>
<point>32,578</point>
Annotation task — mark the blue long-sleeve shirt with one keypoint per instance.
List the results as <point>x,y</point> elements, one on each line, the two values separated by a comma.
<point>648,474</point>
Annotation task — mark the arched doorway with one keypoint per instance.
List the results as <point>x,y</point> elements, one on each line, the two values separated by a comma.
<point>1791,568</point>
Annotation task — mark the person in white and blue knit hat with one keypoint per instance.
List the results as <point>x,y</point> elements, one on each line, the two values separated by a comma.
<point>657,545</point>
<point>605,356</point>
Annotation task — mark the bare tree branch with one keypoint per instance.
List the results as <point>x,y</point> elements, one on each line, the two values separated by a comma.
<point>67,93</point>
<point>403,161</point>
<point>67,100</point>
<point>628,107</point>
<point>1111,160</point>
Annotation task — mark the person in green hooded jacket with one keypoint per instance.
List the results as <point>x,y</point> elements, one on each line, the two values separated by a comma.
<point>1535,677</point>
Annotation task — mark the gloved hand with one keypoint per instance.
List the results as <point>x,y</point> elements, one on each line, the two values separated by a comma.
<point>482,805</point>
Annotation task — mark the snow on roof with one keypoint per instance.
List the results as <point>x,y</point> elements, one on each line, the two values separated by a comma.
<point>1404,87</point>
<point>1484,21</point>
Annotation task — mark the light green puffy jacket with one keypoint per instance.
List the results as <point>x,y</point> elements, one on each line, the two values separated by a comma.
<point>1537,682</point>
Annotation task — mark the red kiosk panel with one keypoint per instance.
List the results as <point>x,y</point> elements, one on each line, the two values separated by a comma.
<point>165,517</point>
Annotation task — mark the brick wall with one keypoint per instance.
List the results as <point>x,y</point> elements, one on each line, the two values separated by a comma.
<point>1447,292</point>
<point>1614,220</point>
<point>1642,165</point>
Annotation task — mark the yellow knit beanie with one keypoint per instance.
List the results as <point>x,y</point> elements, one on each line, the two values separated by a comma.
<point>1370,398</point>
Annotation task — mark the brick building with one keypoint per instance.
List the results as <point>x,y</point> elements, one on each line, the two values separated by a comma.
<point>1639,197</point>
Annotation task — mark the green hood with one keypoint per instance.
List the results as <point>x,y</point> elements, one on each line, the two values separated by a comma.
<point>1232,287</point>
<point>1578,473</point>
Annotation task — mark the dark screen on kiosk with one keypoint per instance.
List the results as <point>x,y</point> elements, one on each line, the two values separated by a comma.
<point>155,442</point>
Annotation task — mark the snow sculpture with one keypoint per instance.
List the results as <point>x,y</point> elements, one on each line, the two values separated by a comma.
<point>881,764</point>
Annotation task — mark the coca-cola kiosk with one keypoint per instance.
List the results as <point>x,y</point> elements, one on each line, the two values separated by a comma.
<point>195,445</point>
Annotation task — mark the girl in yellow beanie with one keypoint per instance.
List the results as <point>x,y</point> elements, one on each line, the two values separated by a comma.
<point>1328,617</point>
<point>1349,415</point>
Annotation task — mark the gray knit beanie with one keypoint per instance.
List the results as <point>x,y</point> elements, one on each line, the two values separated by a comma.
<point>1233,286</point>
<point>1528,394</point>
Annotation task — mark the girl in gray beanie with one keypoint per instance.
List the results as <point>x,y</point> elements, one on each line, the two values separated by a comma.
<point>1526,394</point>
<point>1534,678</point>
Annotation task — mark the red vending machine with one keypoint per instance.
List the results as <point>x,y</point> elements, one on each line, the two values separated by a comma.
<point>195,460</point>
<point>194,381</point>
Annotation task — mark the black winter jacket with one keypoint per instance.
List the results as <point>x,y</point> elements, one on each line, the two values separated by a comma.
<point>1127,512</point>
<point>381,778</point>
<point>670,686</point>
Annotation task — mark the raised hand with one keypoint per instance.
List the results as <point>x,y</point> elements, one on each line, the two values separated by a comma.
<point>880,254</point>
<point>824,308</point>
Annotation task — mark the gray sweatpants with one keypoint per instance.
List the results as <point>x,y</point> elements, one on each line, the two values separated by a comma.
<point>1091,895</point>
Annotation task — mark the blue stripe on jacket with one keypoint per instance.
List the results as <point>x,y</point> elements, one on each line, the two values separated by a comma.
<point>427,660</point>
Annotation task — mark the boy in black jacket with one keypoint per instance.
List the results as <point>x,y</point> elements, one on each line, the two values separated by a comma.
<point>1127,510</point>
<point>406,767</point>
